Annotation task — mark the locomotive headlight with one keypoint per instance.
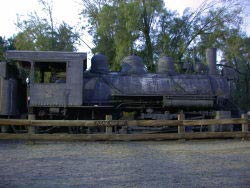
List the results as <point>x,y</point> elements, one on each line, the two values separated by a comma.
<point>27,80</point>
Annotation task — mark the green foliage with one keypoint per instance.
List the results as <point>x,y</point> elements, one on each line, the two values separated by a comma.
<point>120,28</point>
<point>6,45</point>
<point>236,51</point>
<point>37,34</point>
<point>65,38</point>
<point>2,44</point>
<point>147,28</point>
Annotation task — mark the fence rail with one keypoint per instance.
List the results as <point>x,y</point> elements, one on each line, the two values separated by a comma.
<point>108,123</point>
<point>124,137</point>
<point>143,123</point>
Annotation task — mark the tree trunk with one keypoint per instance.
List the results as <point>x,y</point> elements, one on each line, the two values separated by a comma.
<point>146,32</point>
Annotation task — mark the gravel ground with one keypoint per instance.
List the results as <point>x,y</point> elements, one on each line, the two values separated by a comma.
<point>214,163</point>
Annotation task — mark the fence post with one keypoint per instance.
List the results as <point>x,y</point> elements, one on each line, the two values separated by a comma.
<point>4,129</point>
<point>31,129</point>
<point>109,129</point>
<point>181,128</point>
<point>221,128</point>
<point>244,126</point>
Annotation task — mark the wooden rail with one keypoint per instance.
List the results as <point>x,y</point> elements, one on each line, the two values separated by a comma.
<point>181,123</point>
<point>124,137</point>
<point>142,123</point>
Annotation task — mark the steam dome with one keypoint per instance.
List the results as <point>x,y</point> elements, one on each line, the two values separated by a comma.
<point>99,63</point>
<point>166,65</point>
<point>133,65</point>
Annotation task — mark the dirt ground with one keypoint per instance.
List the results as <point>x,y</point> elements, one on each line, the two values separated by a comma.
<point>209,163</point>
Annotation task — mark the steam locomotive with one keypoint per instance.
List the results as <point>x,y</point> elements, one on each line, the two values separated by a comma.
<point>61,87</point>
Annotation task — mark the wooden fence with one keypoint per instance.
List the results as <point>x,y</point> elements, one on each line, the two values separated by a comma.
<point>244,122</point>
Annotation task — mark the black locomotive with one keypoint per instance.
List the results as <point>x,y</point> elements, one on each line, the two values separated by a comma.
<point>61,87</point>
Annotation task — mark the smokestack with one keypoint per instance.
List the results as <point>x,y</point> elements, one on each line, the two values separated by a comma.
<point>211,59</point>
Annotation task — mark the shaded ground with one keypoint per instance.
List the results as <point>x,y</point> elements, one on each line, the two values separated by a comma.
<point>125,164</point>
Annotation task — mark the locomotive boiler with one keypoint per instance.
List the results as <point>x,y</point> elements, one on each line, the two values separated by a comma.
<point>60,87</point>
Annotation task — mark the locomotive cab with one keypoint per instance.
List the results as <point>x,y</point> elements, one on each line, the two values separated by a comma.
<point>55,77</point>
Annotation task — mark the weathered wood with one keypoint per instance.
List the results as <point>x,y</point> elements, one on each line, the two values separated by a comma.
<point>144,123</point>
<point>181,128</point>
<point>244,125</point>
<point>109,129</point>
<point>4,129</point>
<point>214,121</point>
<point>123,137</point>
<point>222,115</point>
<point>7,122</point>
<point>153,123</point>
<point>31,129</point>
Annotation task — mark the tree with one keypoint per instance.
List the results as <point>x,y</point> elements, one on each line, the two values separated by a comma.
<point>65,38</point>
<point>150,11</point>
<point>120,28</point>
<point>38,33</point>
<point>6,44</point>
<point>236,52</point>
<point>200,29</point>
<point>149,29</point>
<point>2,44</point>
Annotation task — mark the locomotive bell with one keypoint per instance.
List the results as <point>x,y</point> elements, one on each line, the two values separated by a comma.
<point>99,63</point>
<point>166,66</point>
<point>133,65</point>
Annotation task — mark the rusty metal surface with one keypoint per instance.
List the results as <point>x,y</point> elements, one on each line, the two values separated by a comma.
<point>101,88</point>
<point>211,60</point>
<point>74,82</point>
<point>99,63</point>
<point>8,97</point>
<point>56,94</point>
<point>48,94</point>
<point>43,55</point>
<point>133,65</point>
<point>3,72</point>
<point>166,66</point>
<point>98,86</point>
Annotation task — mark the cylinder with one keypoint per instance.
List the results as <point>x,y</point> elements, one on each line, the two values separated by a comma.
<point>211,60</point>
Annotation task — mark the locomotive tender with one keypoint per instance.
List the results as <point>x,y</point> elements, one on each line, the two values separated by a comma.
<point>60,87</point>
<point>8,92</point>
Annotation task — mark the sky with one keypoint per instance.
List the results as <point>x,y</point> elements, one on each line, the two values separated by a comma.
<point>68,11</point>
